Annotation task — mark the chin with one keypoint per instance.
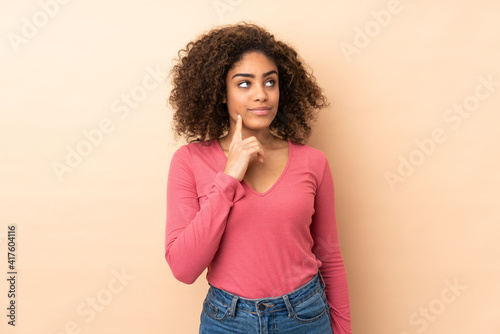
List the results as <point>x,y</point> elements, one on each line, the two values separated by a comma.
<point>251,120</point>
<point>257,124</point>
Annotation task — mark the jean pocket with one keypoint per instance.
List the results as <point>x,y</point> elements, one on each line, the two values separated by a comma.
<point>311,309</point>
<point>215,309</point>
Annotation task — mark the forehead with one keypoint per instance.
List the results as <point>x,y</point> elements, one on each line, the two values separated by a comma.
<point>254,62</point>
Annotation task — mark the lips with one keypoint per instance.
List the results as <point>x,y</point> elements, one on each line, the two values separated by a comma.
<point>260,110</point>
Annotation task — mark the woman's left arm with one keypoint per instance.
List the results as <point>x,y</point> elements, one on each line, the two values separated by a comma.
<point>327,250</point>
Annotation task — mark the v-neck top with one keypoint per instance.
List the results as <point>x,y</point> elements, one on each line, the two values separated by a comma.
<point>245,184</point>
<point>255,245</point>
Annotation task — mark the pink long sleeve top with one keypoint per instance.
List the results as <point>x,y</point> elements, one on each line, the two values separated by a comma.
<point>255,245</point>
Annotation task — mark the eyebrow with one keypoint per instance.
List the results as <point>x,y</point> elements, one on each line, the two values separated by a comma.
<point>247,75</point>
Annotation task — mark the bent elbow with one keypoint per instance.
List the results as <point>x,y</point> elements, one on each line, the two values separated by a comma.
<point>183,276</point>
<point>180,273</point>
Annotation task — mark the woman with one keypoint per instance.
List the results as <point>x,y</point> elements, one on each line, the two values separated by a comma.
<point>246,197</point>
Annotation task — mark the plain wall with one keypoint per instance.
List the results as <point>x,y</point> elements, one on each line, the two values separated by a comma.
<point>411,135</point>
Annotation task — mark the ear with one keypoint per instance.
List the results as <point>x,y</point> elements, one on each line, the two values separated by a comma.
<point>224,100</point>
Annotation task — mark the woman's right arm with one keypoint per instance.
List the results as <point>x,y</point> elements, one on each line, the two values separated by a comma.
<point>193,232</point>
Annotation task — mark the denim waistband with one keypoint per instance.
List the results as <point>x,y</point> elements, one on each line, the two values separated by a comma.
<point>270,304</point>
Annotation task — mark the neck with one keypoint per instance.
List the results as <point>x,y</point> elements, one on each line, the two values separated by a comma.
<point>264,136</point>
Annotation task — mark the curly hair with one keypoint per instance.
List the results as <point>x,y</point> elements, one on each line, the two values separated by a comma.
<point>199,84</point>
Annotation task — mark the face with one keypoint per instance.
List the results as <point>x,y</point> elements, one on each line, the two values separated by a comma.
<point>252,91</point>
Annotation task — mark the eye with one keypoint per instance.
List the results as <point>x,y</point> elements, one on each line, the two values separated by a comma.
<point>244,84</point>
<point>271,83</point>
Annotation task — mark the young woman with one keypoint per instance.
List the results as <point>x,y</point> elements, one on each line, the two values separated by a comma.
<point>246,197</point>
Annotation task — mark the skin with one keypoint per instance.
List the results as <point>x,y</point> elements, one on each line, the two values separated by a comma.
<point>253,153</point>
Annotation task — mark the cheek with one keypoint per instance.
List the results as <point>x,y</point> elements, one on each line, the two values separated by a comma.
<point>275,95</point>
<point>235,101</point>
<point>232,105</point>
<point>233,108</point>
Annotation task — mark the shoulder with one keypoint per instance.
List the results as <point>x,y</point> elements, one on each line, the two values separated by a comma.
<point>311,160</point>
<point>198,157</point>
<point>187,151</point>
<point>312,154</point>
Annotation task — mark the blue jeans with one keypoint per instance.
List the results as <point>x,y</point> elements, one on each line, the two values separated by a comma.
<point>303,310</point>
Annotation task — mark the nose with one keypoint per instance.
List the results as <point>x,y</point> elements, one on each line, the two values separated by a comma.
<point>260,93</point>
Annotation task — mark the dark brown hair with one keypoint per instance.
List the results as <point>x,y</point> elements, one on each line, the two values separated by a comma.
<point>198,80</point>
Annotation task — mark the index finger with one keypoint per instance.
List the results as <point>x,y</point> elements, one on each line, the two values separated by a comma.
<point>237,131</point>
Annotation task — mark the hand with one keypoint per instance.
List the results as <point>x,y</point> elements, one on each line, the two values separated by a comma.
<point>241,152</point>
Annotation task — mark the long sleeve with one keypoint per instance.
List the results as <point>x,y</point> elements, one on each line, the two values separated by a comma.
<point>327,250</point>
<point>194,230</point>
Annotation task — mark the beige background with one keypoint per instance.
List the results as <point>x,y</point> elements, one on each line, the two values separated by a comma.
<point>421,251</point>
